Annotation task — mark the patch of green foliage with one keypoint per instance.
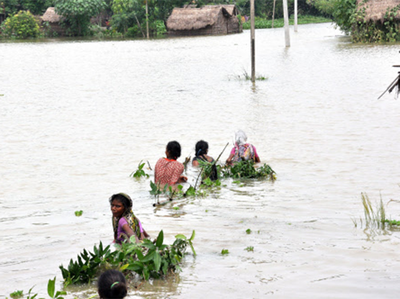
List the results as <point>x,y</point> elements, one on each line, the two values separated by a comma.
<point>249,248</point>
<point>247,77</point>
<point>77,14</point>
<point>248,231</point>
<point>260,23</point>
<point>392,222</point>
<point>21,25</point>
<point>78,213</point>
<point>140,172</point>
<point>51,291</point>
<point>224,251</point>
<point>176,192</point>
<point>148,259</point>
<point>246,169</point>
<point>17,294</point>
<point>36,7</point>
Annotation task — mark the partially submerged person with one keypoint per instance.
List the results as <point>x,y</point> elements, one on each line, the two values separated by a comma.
<point>242,151</point>
<point>112,284</point>
<point>125,223</point>
<point>201,151</point>
<point>168,170</point>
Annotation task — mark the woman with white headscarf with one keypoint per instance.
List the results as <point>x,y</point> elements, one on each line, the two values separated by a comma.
<point>242,151</point>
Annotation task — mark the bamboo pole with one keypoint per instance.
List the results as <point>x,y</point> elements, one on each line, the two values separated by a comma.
<point>147,19</point>
<point>295,15</point>
<point>286,21</point>
<point>252,41</point>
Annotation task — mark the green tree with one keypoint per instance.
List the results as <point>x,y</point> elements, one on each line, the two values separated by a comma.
<point>21,25</point>
<point>36,7</point>
<point>343,11</point>
<point>78,13</point>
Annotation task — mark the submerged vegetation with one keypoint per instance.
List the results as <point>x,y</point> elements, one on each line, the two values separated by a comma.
<point>51,291</point>
<point>148,259</point>
<point>375,218</point>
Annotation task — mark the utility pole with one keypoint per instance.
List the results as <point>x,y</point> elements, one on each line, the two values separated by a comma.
<point>286,21</point>
<point>253,50</point>
<point>147,19</point>
<point>295,15</point>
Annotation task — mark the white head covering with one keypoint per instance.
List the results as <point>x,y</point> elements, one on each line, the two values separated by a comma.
<point>240,137</point>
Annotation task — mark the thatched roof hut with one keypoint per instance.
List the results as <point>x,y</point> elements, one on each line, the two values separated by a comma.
<point>54,20</point>
<point>375,10</point>
<point>51,16</point>
<point>207,20</point>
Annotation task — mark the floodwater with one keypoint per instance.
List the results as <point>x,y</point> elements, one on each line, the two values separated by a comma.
<point>76,118</point>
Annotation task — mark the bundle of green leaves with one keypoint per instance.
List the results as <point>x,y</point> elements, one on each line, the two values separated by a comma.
<point>246,169</point>
<point>149,259</point>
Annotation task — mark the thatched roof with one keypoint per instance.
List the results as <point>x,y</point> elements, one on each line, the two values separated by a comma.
<point>51,16</point>
<point>375,9</point>
<point>191,18</point>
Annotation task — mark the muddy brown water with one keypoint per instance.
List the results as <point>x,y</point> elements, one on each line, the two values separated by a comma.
<point>76,118</point>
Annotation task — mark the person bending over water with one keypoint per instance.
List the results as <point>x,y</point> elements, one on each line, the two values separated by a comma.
<point>125,223</point>
<point>112,284</point>
<point>242,150</point>
<point>168,170</point>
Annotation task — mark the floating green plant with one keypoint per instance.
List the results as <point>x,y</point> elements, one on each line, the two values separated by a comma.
<point>78,213</point>
<point>139,172</point>
<point>224,251</point>
<point>246,169</point>
<point>247,77</point>
<point>17,294</point>
<point>248,231</point>
<point>249,248</point>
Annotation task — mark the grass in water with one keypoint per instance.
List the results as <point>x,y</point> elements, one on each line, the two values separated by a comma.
<point>247,77</point>
<point>373,219</point>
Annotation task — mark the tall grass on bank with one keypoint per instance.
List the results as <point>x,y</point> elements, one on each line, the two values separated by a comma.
<point>260,23</point>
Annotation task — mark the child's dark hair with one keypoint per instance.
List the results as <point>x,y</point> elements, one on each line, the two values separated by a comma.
<point>112,284</point>
<point>122,198</point>
<point>201,148</point>
<point>174,149</point>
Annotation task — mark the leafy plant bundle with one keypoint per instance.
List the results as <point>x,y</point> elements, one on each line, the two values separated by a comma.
<point>139,172</point>
<point>147,259</point>
<point>246,169</point>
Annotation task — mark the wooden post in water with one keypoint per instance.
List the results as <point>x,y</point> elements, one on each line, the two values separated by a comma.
<point>147,19</point>
<point>295,15</point>
<point>286,20</point>
<point>253,51</point>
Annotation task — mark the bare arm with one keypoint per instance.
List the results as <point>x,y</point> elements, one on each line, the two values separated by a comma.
<point>229,160</point>
<point>129,232</point>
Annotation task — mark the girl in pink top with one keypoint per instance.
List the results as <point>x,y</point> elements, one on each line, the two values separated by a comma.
<point>168,170</point>
<point>125,223</point>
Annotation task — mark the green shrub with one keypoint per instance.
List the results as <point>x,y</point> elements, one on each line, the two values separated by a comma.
<point>21,25</point>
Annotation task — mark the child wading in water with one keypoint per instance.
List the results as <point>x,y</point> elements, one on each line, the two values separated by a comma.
<point>125,223</point>
<point>168,170</point>
<point>112,284</point>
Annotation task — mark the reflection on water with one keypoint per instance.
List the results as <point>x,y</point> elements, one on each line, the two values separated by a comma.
<point>77,117</point>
